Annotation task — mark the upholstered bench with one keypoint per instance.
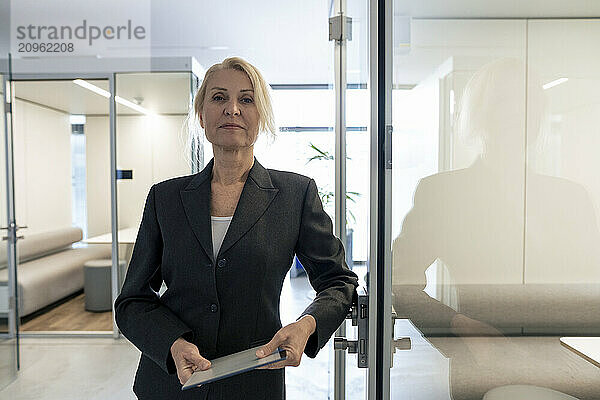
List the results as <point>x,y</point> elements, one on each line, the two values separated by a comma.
<point>49,268</point>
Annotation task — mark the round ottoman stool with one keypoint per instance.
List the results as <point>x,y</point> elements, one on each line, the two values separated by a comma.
<point>525,392</point>
<point>97,284</point>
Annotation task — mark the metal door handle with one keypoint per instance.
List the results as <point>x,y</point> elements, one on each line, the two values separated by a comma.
<point>18,237</point>
<point>17,228</point>
<point>360,318</point>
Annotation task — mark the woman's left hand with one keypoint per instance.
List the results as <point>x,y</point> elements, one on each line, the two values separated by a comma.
<point>292,338</point>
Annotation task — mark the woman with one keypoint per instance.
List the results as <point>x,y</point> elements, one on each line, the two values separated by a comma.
<point>223,240</point>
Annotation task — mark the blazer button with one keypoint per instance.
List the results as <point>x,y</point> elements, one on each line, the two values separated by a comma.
<point>222,263</point>
<point>213,308</point>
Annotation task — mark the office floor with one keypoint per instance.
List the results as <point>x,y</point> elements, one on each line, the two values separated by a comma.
<point>66,315</point>
<point>97,369</point>
<point>69,316</point>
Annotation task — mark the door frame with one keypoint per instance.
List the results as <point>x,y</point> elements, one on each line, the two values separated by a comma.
<point>340,87</point>
<point>24,77</point>
<point>11,236</point>
<point>379,254</point>
<point>379,258</point>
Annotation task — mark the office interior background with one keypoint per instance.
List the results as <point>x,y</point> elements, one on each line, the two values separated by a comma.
<point>492,194</point>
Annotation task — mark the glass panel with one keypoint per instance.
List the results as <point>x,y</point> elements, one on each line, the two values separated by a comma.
<point>305,144</point>
<point>8,345</point>
<point>495,200</point>
<point>152,143</point>
<point>302,137</point>
<point>304,107</point>
<point>61,182</point>
<point>290,70</point>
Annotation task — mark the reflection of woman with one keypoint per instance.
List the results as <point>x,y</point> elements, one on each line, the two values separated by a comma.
<point>516,262</point>
<point>224,276</point>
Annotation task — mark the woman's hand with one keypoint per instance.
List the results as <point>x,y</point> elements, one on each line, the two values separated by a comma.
<point>187,359</point>
<point>292,338</point>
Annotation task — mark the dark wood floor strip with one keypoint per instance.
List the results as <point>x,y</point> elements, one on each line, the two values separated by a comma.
<point>69,316</point>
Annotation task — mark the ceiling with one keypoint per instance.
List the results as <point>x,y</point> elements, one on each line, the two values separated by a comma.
<point>161,93</point>
<point>288,41</point>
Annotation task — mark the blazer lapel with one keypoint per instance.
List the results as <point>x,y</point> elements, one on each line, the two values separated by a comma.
<point>196,203</point>
<point>257,195</point>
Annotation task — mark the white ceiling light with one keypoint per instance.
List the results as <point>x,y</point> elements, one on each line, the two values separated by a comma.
<point>91,87</point>
<point>554,83</point>
<point>131,105</point>
<point>106,94</point>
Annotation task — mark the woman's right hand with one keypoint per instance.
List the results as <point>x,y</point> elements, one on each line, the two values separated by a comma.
<point>187,359</point>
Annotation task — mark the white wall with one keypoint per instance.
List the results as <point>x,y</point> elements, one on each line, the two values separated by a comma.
<point>519,197</point>
<point>563,191</point>
<point>519,200</point>
<point>153,147</point>
<point>97,169</point>
<point>169,148</point>
<point>42,162</point>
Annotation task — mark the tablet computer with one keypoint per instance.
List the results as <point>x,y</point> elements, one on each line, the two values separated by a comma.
<point>233,364</point>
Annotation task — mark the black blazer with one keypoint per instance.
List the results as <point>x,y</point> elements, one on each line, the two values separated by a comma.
<point>227,302</point>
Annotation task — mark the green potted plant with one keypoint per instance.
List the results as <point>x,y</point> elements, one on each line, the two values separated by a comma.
<point>328,197</point>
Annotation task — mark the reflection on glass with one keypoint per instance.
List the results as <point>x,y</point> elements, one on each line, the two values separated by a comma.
<point>496,259</point>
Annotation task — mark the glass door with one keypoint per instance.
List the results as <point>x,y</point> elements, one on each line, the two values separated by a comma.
<point>9,329</point>
<point>61,136</point>
<point>494,203</point>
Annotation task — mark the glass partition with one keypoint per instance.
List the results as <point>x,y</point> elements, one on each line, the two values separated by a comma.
<point>8,339</point>
<point>305,144</point>
<point>61,170</point>
<point>152,143</point>
<point>495,206</point>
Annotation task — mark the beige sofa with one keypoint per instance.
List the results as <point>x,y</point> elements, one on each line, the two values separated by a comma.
<point>49,267</point>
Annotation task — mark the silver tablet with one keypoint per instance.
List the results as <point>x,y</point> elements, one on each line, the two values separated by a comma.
<point>232,364</point>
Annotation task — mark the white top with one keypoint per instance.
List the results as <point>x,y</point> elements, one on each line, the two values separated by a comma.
<point>219,227</point>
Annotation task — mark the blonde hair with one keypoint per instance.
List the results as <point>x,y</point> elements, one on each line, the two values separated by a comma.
<point>483,92</point>
<point>262,97</point>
